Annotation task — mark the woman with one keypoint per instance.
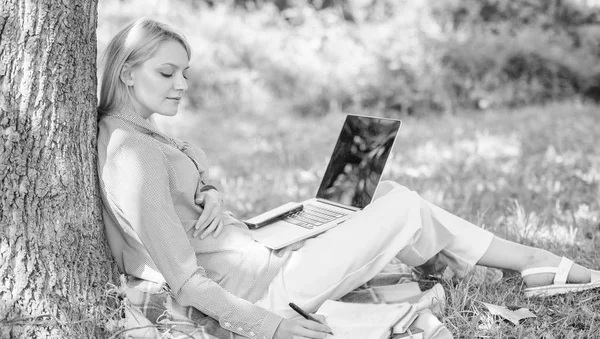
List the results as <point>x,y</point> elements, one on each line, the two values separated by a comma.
<point>166,225</point>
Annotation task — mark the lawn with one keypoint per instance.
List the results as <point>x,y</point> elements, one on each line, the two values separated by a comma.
<point>529,175</point>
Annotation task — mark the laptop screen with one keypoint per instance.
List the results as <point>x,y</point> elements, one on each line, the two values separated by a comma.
<point>358,160</point>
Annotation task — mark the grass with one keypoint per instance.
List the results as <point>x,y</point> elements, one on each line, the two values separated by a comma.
<point>529,175</point>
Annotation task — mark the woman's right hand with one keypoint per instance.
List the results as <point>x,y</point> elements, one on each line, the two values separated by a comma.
<point>298,328</point>
<point>212,217</point>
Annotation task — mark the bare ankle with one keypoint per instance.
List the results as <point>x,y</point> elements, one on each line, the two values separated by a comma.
<point>537,258</point>
<point>543,258</point>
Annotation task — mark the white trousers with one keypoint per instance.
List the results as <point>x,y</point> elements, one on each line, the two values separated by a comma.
<point>399,223</point>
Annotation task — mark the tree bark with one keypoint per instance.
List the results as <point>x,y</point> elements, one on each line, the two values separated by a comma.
<point>54,259</point>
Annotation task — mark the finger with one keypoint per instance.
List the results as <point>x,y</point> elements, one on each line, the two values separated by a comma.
<point>207,215</point>
<point>321,318</point>
<point>200,198</point>
<point>204,221</point>
<point>205,231</point>
<point>304,331</point>
<point>316,326</point>
<point>211,228</point>
<point>196,232</point>
<point>219,229</point>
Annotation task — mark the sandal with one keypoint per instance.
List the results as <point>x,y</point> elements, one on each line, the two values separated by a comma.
<point>559,285</point>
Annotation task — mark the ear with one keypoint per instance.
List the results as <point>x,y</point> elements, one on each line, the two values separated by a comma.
<point>127,75</point>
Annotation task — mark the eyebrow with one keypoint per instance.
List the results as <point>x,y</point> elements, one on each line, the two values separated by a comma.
<point>174,65</point>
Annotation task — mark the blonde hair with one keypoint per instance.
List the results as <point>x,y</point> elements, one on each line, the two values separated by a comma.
<point>134,44</point>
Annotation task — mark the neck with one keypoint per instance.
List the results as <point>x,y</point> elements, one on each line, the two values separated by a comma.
<point>129,109</point>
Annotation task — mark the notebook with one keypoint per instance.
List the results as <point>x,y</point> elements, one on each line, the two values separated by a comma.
<point>348,185</point>
<point>367,321</point>
<point>411,333</point>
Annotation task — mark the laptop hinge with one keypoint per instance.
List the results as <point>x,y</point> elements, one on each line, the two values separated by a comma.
<point>351,208</point>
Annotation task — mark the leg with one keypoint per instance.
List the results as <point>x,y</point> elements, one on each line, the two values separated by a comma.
<point>471,242</point>
<point>463,243</point>
<point>399,224</point>
<point>337,261</point>
<point>509,255</point>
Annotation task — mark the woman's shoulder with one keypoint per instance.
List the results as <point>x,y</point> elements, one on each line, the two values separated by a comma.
<point>118,139</point>
<point>110,128</point>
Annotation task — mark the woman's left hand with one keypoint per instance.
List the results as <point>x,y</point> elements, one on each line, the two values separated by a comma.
<point>213,216</point>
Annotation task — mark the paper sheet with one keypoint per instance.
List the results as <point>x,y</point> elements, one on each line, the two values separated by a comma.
<point>512,316</point>
<point>362,321</point>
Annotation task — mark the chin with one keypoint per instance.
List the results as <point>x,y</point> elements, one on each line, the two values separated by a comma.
<point>168,112</point>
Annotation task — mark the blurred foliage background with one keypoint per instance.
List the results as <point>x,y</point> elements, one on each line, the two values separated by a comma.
<point>492,93</point>
<point>407,56</point>
<point>498,100</point>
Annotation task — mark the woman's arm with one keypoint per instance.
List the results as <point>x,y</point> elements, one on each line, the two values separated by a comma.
<point>213,215</point>
<point>137,184</point>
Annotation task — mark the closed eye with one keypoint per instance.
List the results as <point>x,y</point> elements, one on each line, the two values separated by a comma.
<point>166,75</point>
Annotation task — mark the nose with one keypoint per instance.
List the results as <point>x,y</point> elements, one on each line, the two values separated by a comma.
<point>181,83</point>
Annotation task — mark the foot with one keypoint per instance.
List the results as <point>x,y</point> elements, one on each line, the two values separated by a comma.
<point>577,275</point>
<point>439,268</point>
<point>433,266</point>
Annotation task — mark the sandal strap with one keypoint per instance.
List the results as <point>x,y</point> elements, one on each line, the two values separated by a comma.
<point>560,273</point>
<point>563,271</point>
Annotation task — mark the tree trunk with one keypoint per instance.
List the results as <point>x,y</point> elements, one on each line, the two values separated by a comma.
<point>54,260</point>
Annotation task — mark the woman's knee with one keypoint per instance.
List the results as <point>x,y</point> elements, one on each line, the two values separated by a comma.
<point>386,187</point>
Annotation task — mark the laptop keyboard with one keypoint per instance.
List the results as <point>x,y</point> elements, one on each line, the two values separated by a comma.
<point>312,216</point>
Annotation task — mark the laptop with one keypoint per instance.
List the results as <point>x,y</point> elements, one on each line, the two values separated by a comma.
<point>348,185</point>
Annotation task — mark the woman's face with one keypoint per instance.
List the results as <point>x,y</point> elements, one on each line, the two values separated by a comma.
<point>158,84</point>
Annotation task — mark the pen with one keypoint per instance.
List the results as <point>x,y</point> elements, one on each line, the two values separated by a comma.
<point>305,314</point>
